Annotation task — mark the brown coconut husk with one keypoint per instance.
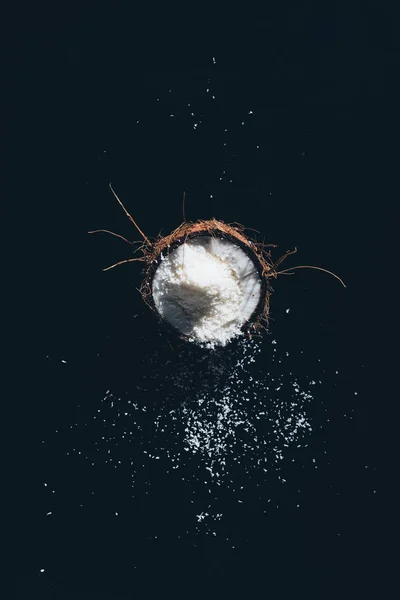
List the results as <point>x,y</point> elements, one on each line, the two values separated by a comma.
<point>258,252</point>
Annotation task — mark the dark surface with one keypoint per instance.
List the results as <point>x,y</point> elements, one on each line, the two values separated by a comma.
<point>321,86</point>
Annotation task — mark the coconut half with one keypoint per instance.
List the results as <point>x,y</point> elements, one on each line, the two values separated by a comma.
<point>208,282</point>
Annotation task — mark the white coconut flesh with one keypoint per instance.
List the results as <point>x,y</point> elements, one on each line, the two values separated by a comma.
<point>207,288</point>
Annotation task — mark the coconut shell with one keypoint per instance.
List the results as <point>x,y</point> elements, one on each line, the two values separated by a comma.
<point>236,234</point>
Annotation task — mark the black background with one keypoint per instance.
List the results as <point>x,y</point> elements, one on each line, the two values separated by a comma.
<point>321,83</point>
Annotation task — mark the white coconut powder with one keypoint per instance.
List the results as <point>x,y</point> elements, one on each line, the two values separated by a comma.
<point>207,288</point>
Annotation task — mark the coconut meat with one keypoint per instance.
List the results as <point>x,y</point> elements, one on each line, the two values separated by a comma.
<point>207,288</point>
